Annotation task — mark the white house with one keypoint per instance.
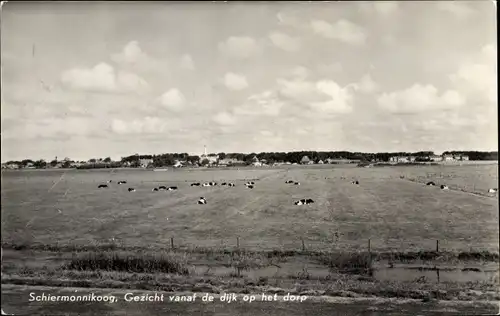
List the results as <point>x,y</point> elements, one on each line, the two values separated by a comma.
<point>145,162</point>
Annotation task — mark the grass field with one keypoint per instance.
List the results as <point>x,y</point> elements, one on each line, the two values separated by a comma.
<point>59,230</point>
<point>65,207</point>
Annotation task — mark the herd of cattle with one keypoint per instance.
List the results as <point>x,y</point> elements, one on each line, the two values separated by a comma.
<point>202,200</point>
<point>250,185</point>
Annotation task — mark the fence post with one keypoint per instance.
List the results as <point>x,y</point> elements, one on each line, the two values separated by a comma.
<point>237,242</point>
<point>437,245</point>
<point>369,245</point>
<point>303,245</point>
<point>172,242</point>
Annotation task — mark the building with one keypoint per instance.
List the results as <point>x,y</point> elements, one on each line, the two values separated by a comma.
<point>461,157</point>
<point>212,158</point>
<point>305,160</point>
<point>320,162</point>
<point>145,162</point>
<point>448,158</point>
<point>436,158</point>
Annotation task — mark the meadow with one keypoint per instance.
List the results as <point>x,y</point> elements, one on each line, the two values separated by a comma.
<point>65,207</point>
<point>377,238</point>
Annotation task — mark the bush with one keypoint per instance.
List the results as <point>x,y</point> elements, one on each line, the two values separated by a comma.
<point>120,261</point>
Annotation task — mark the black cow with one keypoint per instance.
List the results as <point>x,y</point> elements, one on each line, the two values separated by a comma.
<point>162,187</point>
<point>430,183</point>
<point>102,186</point>
<point>171,188</point>
<point>122,182</point>
<point>131,189</point>
<point>155,189</point>
<point>202,201</point>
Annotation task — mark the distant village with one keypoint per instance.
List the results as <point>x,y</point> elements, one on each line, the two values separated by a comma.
<point>256,160</point>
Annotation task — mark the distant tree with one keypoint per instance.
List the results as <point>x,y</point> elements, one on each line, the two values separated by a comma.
<point>205,162</point>
<point>222,155</point>
<point>107,159</point>
<point>25,162</point>
<point>193,159</point>
<point>40,164</point>
<point>93,160</point>
<point>66,164</point>
<point>53,163</point>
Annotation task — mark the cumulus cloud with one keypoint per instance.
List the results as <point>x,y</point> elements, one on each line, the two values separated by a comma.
<point>224,118</point>
<point>266,103</point>
<point>479,77</point>
<point>173,100</point>
<point>133,55</point>
<point>146,125</point>
<point>240,47</point>
<point>187,62</point>
<point>344,31</point>
<point>367,85</point>
<point>457,8</point>
<point>235,81</point>
<point>102,78</point>
<point>419,98</point>
<point>324,96</point>
<point>287,19</point>
<point>284,41</point>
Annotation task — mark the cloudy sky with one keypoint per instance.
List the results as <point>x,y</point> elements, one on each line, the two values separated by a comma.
<point>94,80</point>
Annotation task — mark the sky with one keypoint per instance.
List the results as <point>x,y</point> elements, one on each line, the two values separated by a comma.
<point>92,80</point>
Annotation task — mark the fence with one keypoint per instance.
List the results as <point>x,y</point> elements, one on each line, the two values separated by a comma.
<point>370,245</point>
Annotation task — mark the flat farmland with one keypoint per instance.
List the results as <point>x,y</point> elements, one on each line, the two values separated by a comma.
<point>65,207</point>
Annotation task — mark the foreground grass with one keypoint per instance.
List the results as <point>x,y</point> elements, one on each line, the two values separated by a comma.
<point>350,274</point>
<point>336,285</point>
<point>214,252</point>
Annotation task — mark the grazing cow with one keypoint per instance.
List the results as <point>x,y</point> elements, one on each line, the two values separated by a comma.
<point>155,189</point>
<point>430,183</point>
<point>202,201</point>
<point>231,184</point>
<point>303,202</point>
<point>131,189</point>
<point>109,181</point>
<point>355,182</point>
<point>212,183</point>
<point>250,186</point>
<point>444,187</point>
<point>297,183</point>
<point>206,184</point>
<point>122,182</point>
<point>162,187</point>
<point>493,190</point>
<point>288,181</point>
<point>102,186</point>
<point>172,188</point>
<point>223,183</point>
<point>197,184</point>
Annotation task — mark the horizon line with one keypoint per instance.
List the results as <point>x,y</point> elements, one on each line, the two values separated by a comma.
<point>255,152</point>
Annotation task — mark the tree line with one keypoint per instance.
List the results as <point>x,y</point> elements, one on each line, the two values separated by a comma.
<point>169,159</point>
